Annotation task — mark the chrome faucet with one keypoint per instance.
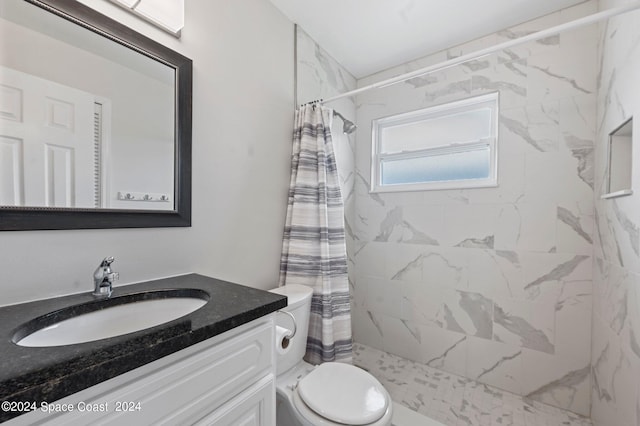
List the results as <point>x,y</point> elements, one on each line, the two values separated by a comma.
<point>103,278</point>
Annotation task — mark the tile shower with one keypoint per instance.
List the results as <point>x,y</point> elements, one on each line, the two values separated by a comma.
<point>495,284</point>
<point>492,284</point>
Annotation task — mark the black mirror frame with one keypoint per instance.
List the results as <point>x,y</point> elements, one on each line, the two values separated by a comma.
<point>47,218</point>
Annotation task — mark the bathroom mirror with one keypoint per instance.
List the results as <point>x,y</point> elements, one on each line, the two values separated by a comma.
<point>95,122</point>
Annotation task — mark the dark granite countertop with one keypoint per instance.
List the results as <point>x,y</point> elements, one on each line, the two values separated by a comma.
<point>46,374</point>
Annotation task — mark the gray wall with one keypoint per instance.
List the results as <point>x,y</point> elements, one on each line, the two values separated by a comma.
<point>242,120</point>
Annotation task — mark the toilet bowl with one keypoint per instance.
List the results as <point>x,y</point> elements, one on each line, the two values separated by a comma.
<point>329,394</point>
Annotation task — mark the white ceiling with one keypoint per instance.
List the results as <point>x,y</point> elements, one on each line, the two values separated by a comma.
<point>367,36</point>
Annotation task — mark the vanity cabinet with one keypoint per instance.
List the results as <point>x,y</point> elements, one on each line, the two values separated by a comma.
<point>226,380</point>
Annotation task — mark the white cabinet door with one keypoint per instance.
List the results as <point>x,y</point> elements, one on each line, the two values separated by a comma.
<point>46,143</point>
<point>253,407</point>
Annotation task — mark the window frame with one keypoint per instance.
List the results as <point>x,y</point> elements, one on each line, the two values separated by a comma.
<point>492,100</point>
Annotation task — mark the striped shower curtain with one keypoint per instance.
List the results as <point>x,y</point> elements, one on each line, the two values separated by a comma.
<point>313,249</point>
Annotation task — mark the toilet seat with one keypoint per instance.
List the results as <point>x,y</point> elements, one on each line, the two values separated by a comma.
<point>336,393</point>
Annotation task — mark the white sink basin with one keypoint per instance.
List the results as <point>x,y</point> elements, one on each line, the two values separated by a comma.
<point>112,321</point>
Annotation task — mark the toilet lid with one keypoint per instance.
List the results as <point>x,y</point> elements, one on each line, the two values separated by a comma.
<point>344,394</point>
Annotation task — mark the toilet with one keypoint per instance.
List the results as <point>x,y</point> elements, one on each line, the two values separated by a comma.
<point>330,394</point>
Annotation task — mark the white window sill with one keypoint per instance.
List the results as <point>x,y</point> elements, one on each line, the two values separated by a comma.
<point>621,193</point>
<point>439,186</point>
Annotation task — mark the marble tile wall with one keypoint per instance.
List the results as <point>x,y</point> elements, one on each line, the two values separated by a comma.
<point>494,284</point>
<point>616,266</point>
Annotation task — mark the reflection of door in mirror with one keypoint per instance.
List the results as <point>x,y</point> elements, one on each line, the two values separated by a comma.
<point>74,70</point>
<point>50,143</point>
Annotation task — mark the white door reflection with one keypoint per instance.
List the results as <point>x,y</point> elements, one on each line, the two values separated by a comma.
<point>51,152</point>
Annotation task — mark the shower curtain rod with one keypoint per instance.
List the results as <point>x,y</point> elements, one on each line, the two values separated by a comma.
<point>596,17</point>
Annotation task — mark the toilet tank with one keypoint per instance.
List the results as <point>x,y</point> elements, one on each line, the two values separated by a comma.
<point>299,304</point>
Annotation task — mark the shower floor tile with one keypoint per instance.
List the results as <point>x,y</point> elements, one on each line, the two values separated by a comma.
<point>454,400</point>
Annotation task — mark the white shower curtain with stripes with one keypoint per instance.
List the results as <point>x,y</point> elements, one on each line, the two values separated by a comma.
<point>314,248</point>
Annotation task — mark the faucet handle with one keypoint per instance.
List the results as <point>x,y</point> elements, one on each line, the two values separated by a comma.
<point>104,277</point>
<point>107,261</point>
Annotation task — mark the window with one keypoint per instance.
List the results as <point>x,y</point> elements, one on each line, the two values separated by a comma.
<point>443,147</point>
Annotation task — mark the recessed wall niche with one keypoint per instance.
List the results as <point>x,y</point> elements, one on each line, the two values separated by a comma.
<point>620,148</point>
